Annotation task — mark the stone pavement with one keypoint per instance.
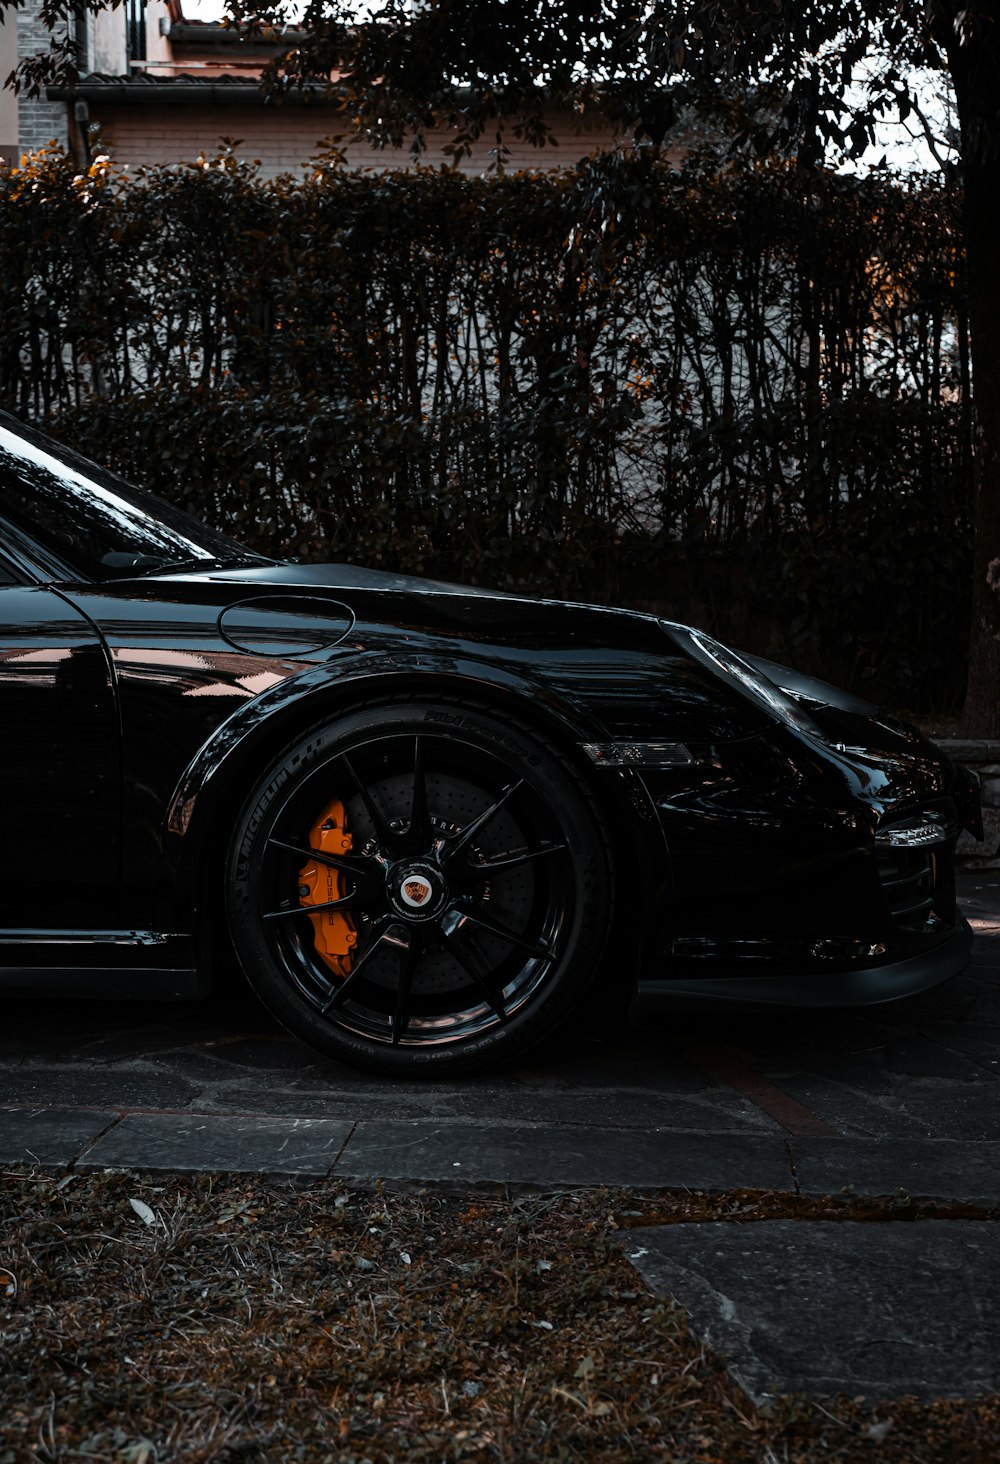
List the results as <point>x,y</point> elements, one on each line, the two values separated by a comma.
<point>826,1307</point>
<point>890,1099</point>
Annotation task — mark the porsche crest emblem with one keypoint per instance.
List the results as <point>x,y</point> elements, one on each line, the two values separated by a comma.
<point>416,891</point>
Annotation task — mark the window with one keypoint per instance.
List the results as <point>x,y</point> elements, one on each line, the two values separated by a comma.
<point>135,30</point>
<point>85,517</point>
<point>7,575</point>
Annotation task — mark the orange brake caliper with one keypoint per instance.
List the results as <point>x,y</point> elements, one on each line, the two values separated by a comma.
<point>335,936</point>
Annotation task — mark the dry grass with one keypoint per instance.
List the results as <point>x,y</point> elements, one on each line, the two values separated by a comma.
<point>242,1319</point>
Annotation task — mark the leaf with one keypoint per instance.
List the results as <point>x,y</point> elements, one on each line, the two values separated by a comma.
<point>141,1452</point>
<point>145,1214</point>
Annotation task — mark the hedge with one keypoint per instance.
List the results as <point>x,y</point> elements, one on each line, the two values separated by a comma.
<point>733,392</point>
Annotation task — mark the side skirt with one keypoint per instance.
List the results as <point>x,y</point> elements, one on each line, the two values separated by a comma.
<point>140,965</point>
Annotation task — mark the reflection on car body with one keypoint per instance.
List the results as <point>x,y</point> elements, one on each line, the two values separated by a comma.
<point>428,816</point>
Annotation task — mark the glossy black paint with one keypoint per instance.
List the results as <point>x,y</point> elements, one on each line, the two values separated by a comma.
<point>140,704</point>
<point>58,716</point>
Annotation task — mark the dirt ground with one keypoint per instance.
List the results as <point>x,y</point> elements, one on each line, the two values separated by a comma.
<point>182,1320</point>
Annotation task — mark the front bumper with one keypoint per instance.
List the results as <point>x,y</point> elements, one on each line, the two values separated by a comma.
<point>825,880</point>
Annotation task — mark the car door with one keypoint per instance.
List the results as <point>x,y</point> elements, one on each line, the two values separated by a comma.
<point>59,767</point>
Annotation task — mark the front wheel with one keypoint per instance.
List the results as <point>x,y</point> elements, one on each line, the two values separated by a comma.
<point>420,888</point>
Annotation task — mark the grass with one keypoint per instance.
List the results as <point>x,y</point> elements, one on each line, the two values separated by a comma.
<point>238,1319</point>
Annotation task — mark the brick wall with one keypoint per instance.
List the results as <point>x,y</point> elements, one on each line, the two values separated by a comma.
<point>39,121</point>
<point>8,101</point>
<point>285,139</point>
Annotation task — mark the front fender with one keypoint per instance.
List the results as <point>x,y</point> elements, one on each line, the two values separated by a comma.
<point>257,729</point>
<point>213,787</point>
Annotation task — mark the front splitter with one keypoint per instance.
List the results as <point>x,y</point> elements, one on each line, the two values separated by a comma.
<point>860,986</point>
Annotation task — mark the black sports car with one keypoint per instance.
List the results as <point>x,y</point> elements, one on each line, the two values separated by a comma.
<point>427,816</point>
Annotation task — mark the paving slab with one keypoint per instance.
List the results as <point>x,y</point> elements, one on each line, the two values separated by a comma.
<point>716,1111</point>
<point>50,1137</point>
<point>542,1156</point>
<point>209,1143</point>
<point>884,1310</point>
<point>925,1168</point>
<point>114,1086</point>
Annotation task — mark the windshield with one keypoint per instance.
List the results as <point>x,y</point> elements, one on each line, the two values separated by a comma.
<point>94,522</point>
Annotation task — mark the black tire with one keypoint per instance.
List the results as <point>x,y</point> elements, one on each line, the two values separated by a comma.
<point>477,886</point>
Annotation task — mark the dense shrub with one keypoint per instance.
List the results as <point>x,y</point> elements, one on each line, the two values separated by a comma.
<point>740,393</point>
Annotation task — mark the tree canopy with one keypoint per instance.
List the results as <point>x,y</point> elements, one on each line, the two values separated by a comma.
<point>397,67</point>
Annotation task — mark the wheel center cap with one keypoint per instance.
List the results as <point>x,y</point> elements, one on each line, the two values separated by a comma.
<point>416,891</point>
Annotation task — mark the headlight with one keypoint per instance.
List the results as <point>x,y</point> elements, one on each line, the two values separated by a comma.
<point>911,833</point>
<point>740,674</point>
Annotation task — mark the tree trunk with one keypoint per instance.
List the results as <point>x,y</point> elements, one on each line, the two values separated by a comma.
<point>972,41</point>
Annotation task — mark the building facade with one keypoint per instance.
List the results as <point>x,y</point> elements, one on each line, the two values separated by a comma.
<point>157,87</point>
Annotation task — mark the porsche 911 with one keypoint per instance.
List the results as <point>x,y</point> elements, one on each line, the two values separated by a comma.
<point>430,820</point>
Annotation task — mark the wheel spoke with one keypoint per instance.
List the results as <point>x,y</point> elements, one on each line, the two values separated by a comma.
<point>421,830</point>
<point>338,997</point>
<point>502,932</point>
<point>359,868</point>
<point>457,845</point>
<point>503,862</point>
<point>452,928</point>
<point>342,904</point>
<point>402,939</point>
<point>384,832</point>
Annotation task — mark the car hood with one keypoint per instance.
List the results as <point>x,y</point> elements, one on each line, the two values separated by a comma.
<point>334,577</point>
<point>478,614</point>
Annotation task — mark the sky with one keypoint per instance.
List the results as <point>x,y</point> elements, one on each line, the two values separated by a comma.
<point>209,9</point>
<point>203,9</point>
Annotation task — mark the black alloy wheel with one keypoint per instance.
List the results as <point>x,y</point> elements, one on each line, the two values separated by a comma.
<point>420,888</point>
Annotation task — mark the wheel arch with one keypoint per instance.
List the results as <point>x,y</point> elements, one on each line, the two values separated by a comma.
<point>209,796</point>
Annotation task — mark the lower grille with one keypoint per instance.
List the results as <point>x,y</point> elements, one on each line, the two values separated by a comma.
<point>908,877</point>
